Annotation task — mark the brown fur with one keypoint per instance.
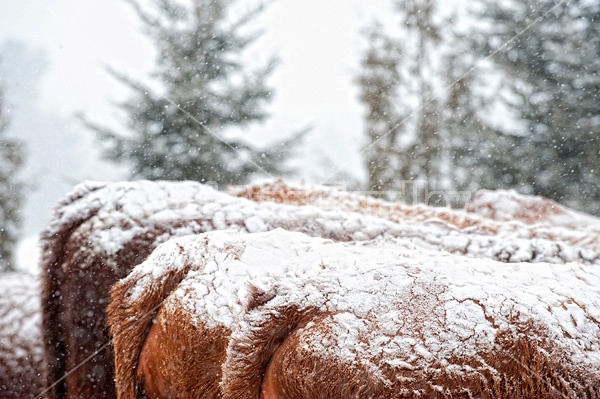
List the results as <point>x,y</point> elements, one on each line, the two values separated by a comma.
<point>129,328</point>
<point>294,372</point>
<point>180,358</point>
<point>75,292</point>
<point>530,209</point>
<point>520,360</point>
<point>170,355</point>
<point>76,325</point>
<point>271,360</point>
<point>248,360</point>
<point>278,191</point>
<point>534,209</point>
<point>76,283</point>
<point>175,357</point>
<point>54,241</point>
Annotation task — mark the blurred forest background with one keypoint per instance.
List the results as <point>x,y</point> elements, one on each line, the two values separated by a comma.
<point>452,99</point>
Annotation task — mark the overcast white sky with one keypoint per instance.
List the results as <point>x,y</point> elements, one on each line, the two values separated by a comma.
<point>318,43</point>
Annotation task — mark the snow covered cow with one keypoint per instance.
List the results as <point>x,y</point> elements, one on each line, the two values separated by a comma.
<point>101,231</point>
<point>500,212</point>
<point>508,205</point>
<point>283,315</point>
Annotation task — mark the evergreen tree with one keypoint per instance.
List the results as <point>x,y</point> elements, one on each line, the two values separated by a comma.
<point>177,133</point>
<point>474,144</point>
<point>422,124</point>
<point>379,82</point>
<point>554,68</point>
<point>423,46</point>
<point>11,159</point>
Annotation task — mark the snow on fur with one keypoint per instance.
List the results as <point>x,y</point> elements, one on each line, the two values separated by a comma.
<point>392,312</point>
<point>562,224</point>
<point>123,210</point>
<point>508,205</point>
<point>102,230</point>
<point>21,354</point>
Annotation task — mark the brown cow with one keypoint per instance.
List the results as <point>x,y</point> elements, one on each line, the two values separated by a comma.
<point>336,198</point>
<point>561,224</point>
<point>282,315</point>
<point>505,205</point>
<point>102,230</point>
<point>21,351</point>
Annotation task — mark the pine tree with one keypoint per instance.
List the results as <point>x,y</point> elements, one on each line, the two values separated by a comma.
<point>420,159</point>
<point>474,145</point>
<point>379,83</point>
<point>554,68</point>
<point>177,133</point>
<point>11,191</point>
<point>422,124</point>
